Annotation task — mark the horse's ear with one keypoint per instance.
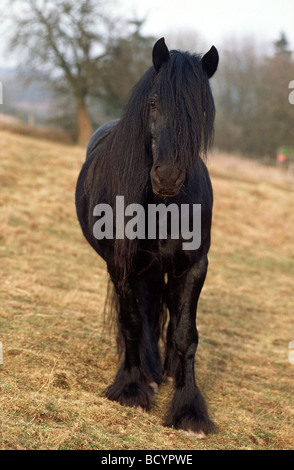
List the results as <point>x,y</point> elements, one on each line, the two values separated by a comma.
<point>160,54</point>
<point>210,61</point>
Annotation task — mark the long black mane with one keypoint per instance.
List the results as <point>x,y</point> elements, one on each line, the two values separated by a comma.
<point>185,93</point>
<point>183,89</point>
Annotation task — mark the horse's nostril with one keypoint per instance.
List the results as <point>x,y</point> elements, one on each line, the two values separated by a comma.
<point>180,178</point>
<point>159,172</point>
<point>164,175</point>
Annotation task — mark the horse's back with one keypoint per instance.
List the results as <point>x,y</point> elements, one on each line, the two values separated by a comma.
<point>81,197</point>
<point>99,135</point>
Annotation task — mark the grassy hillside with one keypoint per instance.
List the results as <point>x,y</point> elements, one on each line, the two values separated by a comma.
<point>57,357</point>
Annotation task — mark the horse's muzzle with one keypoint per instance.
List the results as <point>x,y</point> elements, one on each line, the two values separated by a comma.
<point>166,182</point>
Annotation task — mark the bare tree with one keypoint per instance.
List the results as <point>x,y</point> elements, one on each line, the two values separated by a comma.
<point>235,93</point>
<point>275,121</point>
<point>124,62</point>
<point>65,40</point>
<point>254,116</point>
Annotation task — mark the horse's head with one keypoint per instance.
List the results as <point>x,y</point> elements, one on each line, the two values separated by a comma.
<point>167,173</point>
<point>181,115</point>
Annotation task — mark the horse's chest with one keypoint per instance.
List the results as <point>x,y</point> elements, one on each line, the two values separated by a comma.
<point>164,256</point>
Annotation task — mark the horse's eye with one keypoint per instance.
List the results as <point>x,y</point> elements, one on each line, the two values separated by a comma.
<point>152,104</point>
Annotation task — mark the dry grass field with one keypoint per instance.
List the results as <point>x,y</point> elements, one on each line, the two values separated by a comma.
<point>58,357</point>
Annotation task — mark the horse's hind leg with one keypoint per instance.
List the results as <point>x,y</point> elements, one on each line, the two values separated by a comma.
<point>134,382</point>
<point>188,410</point>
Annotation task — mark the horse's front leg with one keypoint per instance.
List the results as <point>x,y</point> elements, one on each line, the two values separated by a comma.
<point>188,410</point>
<point>131,386</point>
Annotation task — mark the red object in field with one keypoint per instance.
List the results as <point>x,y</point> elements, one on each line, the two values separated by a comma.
<point>281,158</point>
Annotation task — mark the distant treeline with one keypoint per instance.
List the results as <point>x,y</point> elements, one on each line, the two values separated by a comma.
<point>91,61</point>
<point>254,113</point>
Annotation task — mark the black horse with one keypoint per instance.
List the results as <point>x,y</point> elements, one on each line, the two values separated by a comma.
<point>154,155</point>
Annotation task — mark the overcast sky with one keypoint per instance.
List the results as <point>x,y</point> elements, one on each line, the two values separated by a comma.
<point>215,20</point>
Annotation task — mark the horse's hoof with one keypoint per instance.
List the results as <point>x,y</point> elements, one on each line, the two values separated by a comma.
<point>168,380</point>
<point>140,409</point>
<point>154,386</point>
<point>195,435</point>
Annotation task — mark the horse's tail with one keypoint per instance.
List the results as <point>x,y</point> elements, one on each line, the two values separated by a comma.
<point>111,312</point>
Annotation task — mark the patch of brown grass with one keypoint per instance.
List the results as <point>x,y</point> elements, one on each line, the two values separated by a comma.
<point>57,357</point>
